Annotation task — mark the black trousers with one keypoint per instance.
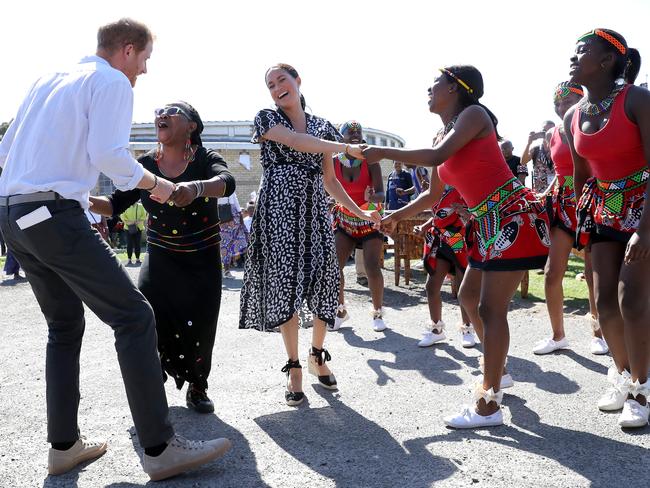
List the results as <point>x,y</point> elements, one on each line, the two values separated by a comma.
<point>133,242</point>
<point>67,263</point>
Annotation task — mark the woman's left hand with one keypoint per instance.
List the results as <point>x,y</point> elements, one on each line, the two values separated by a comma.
<point>355,150</point>
<point>638,248</point>
<point>184,194</point>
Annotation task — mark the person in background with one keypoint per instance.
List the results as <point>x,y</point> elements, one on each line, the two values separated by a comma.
<point>399,181</point>
<point>12,266</point>
<point>248,216</point>
<point>234,236</point>
<point>420,177</point>
<point>538,151</point>
<point>134,219</point>
<point>364,185</point>
<point>519,171</point>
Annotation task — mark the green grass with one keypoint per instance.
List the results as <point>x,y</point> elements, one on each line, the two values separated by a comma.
<point>576,296</point>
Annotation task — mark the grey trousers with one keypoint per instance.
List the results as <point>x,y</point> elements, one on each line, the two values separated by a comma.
<point>67,263</point>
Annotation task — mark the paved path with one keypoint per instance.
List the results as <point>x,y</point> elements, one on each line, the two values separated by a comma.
<point>382,429</point>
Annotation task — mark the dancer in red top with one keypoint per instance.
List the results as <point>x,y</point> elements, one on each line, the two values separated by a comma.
<point>509,229</point>
<point>609,136</point>
<point>563,231</point>
<point>445,252</point>
<point>365,186</point>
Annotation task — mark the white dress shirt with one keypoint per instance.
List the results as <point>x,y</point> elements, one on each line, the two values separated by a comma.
<point>71,126</point>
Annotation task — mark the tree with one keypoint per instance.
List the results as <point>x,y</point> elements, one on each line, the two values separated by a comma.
<point>3,128</point>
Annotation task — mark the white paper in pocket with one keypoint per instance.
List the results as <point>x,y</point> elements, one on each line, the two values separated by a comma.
<point>32,218</point>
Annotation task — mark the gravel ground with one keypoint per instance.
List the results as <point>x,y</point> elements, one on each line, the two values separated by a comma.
<point>382,429</point>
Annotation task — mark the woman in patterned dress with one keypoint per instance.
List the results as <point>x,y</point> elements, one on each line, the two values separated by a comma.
<point>291,261</point>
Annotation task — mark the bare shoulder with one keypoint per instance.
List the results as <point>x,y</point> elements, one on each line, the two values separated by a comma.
<point>475,113</point>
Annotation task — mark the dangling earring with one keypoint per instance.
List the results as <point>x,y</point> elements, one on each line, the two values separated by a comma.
<point>188,148</point>
<point>159,152</point>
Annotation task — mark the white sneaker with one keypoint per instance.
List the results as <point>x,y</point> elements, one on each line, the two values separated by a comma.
<point>615,396</point>
<point>59,462</point>
<point>506,381</point>
<point>467,418</point>
<point>467,335</point>
<point>378,324</point>
<point>434,332</point>
<point>338,321</point>
<point>634,414</point>
<point>598,346</point>
<point>181,455</point>
<point>547,346</point>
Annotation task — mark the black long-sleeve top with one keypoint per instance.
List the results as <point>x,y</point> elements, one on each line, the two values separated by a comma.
<point>181,229</point>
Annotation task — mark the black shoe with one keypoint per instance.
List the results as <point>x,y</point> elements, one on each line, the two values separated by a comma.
<point>320,356</point>
<point>198,400</point>
<point>292,398</point>
<point>362,280</point>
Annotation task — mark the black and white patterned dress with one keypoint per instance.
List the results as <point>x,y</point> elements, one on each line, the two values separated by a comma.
<point>291,262</point>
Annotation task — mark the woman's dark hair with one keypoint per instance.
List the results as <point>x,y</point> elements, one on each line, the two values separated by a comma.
<point>470,94</point>
<point>292,72</point>
<point>626,66</point>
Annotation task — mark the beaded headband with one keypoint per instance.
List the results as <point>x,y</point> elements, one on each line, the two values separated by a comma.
<point>457,79</point>
<point>608,37</point>
<point>565,88</point>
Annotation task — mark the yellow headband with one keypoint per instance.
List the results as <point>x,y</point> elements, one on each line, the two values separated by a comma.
<point>457,79</point>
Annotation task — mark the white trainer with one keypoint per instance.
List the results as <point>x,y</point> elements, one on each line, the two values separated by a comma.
<point>546,346</point>
<point>467,418</point>
<point>634,414</point>
<point>467,335</point>
<point>59,462</point>
<point>338,321</point>
<point>598,346</point>
<point>181,455</point>
<point>378,324</point>
<point>614,397</point>
<point>434,332</point>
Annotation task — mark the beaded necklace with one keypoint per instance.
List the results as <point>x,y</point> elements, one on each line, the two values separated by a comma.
<point>588,108</point>
<point>445,130</point>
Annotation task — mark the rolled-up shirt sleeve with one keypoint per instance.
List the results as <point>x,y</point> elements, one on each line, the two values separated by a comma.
<point>109,128</point>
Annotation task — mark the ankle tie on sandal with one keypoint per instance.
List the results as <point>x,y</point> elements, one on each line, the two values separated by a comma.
<point>320,355</point>
<point>291,364</point>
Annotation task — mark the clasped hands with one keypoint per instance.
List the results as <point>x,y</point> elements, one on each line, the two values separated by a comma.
<point>181,194</point>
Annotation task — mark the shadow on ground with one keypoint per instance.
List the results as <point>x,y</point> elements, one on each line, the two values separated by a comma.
<point>408,357</point>
<point>371,457</point>
<point>571,449</point>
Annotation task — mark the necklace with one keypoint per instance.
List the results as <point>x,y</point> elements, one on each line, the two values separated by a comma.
<point>188,158</point>
<point>588,108</point>
<point>445,130</point>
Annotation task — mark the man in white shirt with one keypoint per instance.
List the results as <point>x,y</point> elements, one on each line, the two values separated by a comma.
<point>71,126</point>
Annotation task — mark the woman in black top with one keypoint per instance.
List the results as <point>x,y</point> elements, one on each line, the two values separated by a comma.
<point>181,274</point>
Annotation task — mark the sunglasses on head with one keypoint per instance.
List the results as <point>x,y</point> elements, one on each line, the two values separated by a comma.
<point>169,111</point>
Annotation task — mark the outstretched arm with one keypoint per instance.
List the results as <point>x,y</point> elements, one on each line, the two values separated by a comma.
<point>473,122</point>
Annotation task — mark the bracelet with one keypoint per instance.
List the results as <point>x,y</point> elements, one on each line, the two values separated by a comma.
<point>155,184</point>
<point>199,187</point>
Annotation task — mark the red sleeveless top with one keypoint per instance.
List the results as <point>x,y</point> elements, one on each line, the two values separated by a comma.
<point>476,170</point>
<point>355,189</point>
<point>561,155</point>
<point>615,151</point>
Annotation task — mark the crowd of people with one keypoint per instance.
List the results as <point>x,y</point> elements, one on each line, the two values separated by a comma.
<point>486,230</point>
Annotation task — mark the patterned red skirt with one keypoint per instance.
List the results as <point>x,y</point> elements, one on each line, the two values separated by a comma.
<point>446,238</point>
<point>509,230</point>
<point>611,210</point>
<point>352,226</point>
<point>563,213</point>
